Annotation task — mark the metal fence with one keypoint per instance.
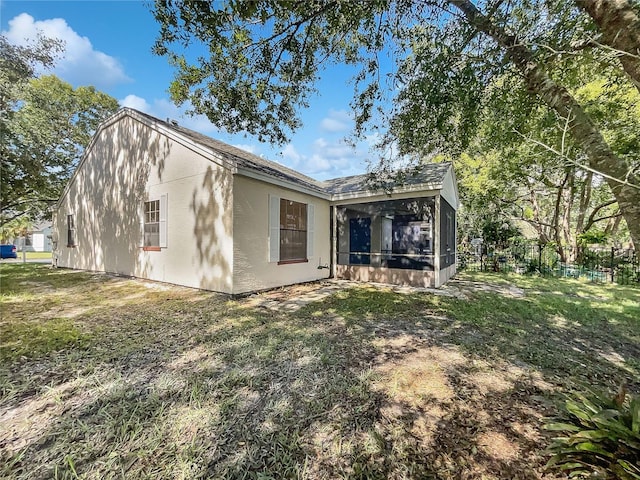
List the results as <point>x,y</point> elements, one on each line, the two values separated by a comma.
<point>620,266</point>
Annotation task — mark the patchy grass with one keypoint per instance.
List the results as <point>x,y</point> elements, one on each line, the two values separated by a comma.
<point>24,339</point>
<point>105,377</point>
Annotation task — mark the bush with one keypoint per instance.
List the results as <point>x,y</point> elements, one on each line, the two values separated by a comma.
<point>601,437</point>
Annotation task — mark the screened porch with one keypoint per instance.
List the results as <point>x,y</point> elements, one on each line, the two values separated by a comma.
<point>402,241</point>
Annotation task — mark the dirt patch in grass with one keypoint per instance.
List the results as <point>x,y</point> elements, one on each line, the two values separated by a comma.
<point>367,383</point>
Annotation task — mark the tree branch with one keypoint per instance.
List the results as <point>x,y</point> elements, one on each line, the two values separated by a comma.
<point>591,220</point>
<point>578,164</point>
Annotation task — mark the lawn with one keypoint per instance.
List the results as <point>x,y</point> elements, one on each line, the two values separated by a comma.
<point>107,377</point>
<point>36,255</point>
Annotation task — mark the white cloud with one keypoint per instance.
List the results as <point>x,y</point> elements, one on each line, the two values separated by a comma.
<point>337,121</point>
<point>318,164</point>
<point>80,64</point>
<point>373,139</point>
<point>320,143</point>
<point>163,109</point>
<point>326,159</point>
<point>135,102</point>
<point>290,153</point>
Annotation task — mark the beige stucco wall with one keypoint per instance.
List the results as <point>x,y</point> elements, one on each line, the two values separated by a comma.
<point>130,163</point>
<point>251,266</point>
<point>446,274</point>
<point>394,276</point>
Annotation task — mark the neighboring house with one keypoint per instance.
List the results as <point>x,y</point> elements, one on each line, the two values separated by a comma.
<point>39,238</point>
<point>154,200</point>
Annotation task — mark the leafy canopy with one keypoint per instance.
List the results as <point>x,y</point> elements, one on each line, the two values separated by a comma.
<point>47,124</point>
<point>264,57</point>
<point>425,73</point>
<point>429,73</point>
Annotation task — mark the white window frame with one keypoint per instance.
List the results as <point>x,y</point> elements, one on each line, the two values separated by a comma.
<point>162,221</point>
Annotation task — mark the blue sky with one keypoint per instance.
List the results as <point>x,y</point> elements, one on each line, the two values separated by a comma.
<point>108,45</point>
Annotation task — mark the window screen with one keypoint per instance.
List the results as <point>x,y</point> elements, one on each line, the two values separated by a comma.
<point>152,223</point>
<point>71,231</point>
<point>293,230</point>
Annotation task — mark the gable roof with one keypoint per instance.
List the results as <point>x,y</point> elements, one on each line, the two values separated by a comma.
<point>428,176</point>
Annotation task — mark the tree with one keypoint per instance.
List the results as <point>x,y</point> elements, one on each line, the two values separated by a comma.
<point>619,22</point>
<point>532,175</point>
<point>50,129</point>
<point>18,64</point>
<point>264,58</point>
<point>18,227</point>
<point>46,125</point>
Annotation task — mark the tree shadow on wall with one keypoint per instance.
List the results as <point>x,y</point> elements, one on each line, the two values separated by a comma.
<point>212,208</point>
<point>108,193</point>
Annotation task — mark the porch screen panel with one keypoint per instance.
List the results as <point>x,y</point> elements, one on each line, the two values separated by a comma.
<point>447,234</point>
<point>394,234</point>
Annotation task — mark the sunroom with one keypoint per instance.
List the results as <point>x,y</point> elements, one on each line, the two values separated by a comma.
<point>405,237</point>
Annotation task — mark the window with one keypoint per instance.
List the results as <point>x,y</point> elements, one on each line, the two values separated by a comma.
<point>293,230</point>
<point>71,231</point>
<point>152,223</point>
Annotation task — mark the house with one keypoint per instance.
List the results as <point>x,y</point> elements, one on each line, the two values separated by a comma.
<point>39,238</point>
<point>154,200</point>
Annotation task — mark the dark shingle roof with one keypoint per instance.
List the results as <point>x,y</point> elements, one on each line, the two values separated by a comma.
<point>431,173</point>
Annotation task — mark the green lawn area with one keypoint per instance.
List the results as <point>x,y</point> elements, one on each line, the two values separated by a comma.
<point>35,255</point>
<point>106,377</point>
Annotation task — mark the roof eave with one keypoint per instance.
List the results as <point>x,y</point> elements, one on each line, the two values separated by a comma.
<point>264,177</point>
<point>337,197</point>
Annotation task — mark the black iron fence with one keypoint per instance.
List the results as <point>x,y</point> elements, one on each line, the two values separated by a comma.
<point>595,264</point>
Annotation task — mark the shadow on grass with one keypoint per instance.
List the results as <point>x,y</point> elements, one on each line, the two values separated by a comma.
<point>365,384</point>
<point>567,338</point>
<point>222,392</point>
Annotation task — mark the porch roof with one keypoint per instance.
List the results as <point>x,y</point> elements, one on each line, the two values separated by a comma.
<point>430,174</point>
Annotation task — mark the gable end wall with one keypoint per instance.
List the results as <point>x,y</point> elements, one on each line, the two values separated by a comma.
<point>130,163</point>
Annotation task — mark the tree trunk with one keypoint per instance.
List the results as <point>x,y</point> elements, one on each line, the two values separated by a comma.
<point>543,236</point>
<point>613,225</point>
<point>585,201</point>
<point>619,24</point>
<point>557,234</point>
<point>566,218</point>
<point>624,184</point>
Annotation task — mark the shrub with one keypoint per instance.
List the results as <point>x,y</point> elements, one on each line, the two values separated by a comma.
<point>600,437</point>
